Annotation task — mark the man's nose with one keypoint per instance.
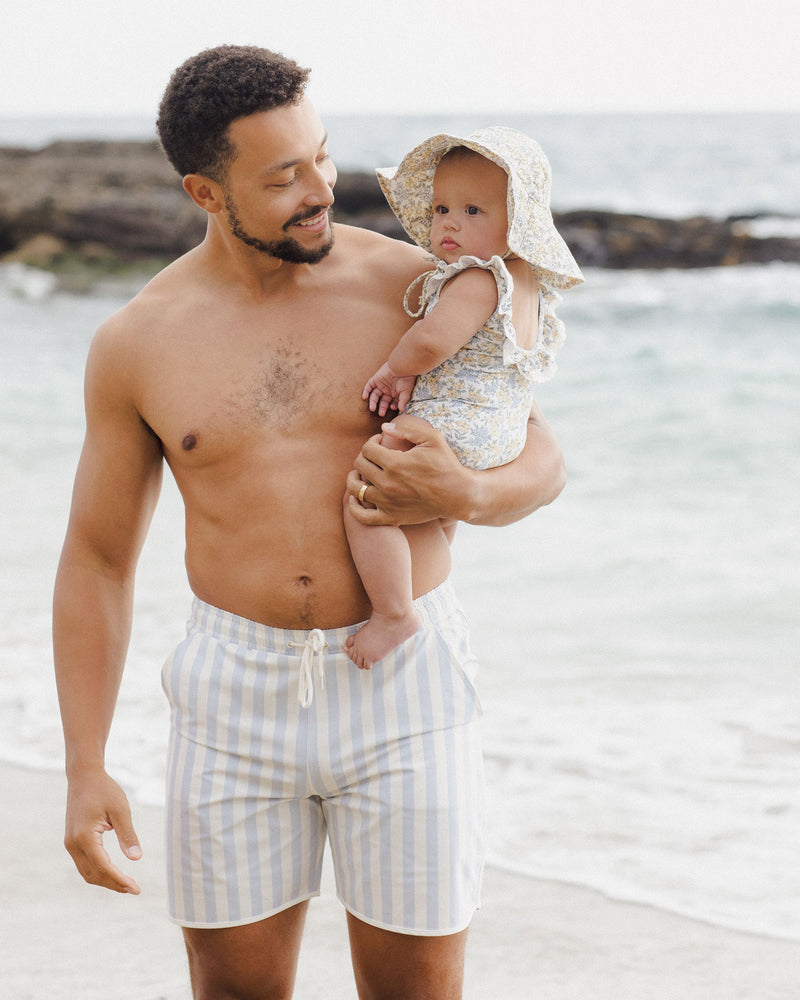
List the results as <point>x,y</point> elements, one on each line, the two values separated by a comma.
<point>320,188</point>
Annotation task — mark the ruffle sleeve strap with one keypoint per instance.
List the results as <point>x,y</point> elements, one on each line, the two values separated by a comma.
<point>538,363</point>
<point>434,281</point>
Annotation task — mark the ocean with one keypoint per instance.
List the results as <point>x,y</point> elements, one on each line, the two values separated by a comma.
<point>639,638</point>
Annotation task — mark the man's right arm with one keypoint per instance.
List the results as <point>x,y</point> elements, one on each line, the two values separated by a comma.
<point>428,481</point>
<point>116,490</point>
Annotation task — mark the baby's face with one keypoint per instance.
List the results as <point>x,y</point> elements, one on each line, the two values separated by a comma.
<point>469,208</point>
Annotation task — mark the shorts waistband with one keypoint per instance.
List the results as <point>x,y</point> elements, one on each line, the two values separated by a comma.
<point>228,627</point>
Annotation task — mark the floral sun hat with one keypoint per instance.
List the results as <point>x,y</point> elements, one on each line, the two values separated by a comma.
<point>532,235</point>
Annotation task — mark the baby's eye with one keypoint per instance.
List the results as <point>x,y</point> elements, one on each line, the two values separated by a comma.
<point>440,209</point>
<point>472,210</point>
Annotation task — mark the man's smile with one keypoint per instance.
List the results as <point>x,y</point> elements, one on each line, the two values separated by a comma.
<point>315,223</point>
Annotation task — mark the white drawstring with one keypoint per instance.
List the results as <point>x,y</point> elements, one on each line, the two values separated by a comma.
<point>313,646</point>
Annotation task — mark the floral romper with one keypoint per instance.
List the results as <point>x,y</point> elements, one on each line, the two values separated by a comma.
<point>480,398</point>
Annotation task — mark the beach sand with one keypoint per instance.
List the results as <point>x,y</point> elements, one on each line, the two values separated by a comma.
<point>532,940</point>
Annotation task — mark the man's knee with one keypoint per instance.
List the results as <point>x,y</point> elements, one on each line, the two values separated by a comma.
<point>217,992</point>
<point>212,982</point>
<point>253,962</point>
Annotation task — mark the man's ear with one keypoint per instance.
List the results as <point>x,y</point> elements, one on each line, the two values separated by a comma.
<point>204,192</point>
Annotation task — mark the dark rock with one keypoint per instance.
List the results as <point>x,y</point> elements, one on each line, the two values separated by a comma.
<point>615,240</point>
<point>125,199</point>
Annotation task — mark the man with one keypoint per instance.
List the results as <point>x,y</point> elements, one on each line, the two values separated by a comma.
<point>240,365</point>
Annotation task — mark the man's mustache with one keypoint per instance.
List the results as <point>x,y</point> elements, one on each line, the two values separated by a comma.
<point>307,213</point>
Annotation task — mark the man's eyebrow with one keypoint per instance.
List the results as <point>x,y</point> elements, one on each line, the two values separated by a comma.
<point>276,168</point>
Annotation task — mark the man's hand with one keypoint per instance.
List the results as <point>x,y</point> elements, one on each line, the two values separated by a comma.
<point>95,805</point>
<point>412,486</point>
<point>428,482</point>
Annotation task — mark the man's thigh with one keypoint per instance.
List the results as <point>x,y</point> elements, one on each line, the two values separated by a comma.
<point>390,966</point>
<point>407,829</point>
<point>251,962</point>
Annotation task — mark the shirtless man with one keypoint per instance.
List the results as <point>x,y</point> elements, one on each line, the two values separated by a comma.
<point>241,365</point>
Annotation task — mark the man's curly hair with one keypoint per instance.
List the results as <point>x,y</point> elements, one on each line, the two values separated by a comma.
<point>215,88</point>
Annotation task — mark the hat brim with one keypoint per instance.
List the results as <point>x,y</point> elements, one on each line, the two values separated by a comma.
<point>532,234</point>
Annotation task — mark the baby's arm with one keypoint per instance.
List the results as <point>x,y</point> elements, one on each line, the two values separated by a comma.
<point>465,304</point>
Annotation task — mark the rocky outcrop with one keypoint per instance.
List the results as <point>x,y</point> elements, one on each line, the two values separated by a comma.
<point>122,202</point>
<point>615,240</point>
<point>120,196</point>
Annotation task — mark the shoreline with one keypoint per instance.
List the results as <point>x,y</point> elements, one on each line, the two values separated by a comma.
<point>539,938</point>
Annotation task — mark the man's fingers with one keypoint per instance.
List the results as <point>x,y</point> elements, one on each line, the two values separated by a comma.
<point>94,810</point>
<point>122,824</point>
<point>365,471</point>
<point>369,515</point>
<point>354,483</point>
<point>414,429</point>
<point>97,868</point>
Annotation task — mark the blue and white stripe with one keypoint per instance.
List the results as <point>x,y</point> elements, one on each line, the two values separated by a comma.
<point>385,762</point>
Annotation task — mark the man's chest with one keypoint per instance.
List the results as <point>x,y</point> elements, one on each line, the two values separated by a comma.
<point>213,391</point>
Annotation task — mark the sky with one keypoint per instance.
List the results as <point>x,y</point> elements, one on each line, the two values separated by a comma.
<point>101,57</point>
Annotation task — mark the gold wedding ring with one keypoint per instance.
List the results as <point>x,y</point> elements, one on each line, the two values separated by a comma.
<point>362,491</point>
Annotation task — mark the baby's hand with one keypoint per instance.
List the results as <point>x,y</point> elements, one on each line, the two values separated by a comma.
<point>385,391</point>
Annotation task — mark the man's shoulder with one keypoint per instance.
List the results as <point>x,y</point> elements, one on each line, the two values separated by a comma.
<point>119,343</point>
<point>358,240</point>
<point>149,307</point>
<point>387,259</point>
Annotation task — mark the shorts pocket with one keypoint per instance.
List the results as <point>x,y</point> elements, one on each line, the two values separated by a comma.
<point>453,632</point>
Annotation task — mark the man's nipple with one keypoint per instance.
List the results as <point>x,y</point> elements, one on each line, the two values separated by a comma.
<point>189,442</point>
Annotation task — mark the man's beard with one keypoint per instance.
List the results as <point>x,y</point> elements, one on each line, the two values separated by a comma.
<point>288,249</point>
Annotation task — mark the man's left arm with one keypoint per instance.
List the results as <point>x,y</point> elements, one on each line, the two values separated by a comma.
<point>428,481</point>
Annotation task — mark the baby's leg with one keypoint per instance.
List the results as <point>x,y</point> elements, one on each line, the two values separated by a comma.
<point>449,528</point>
<point>383,561</point>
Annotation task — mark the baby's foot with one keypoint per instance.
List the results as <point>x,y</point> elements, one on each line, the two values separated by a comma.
<point>380,636</point>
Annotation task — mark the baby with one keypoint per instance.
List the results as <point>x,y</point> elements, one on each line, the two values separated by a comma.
<point>481,204</point>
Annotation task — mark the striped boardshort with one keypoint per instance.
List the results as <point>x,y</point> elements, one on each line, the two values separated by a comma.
<point>279,742</point>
